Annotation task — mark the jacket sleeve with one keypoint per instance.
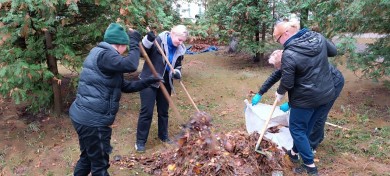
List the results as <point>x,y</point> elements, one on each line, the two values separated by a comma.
<point>150,47</point>
<point>288,74</point>
<point>178,62</point>
<point>109,62</point>
<point>331,48</point>
<point>271,80</point>
<point>336,74</point>
<point>133,86</point>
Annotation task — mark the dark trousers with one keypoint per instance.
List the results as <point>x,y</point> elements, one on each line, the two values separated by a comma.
<point>95,149</point>
<point>317,134</point>
<point>301,124</point>
<point>149,97</point>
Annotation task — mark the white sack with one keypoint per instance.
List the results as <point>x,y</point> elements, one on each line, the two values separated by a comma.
<point>255,117</point>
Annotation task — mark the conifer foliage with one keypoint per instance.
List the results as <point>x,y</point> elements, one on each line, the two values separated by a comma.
<point>36,35</point>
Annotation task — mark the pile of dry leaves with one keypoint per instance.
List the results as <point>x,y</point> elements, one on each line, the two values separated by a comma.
<point>199,47</point>
<point>200,152</point>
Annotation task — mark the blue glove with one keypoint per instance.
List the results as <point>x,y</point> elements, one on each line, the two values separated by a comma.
<point>284,107</point>
<point>256,99</point>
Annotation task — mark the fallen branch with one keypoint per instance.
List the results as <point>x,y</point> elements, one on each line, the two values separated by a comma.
<point>333,125</point>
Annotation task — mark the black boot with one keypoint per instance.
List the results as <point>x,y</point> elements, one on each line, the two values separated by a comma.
<point>312,171</point>
<point>293,158</point>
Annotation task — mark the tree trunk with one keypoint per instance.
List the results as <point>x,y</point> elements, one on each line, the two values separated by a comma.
<point>304,18</point>
<point>52,64</point>
<point>263,35</point>
<point>273,17</point>
<point>258,55</point>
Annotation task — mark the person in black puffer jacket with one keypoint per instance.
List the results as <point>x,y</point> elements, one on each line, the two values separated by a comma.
<point>98,94</point>
<point>307,78</point>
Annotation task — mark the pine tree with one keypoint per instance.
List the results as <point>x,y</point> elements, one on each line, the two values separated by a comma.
<point>37,35</point>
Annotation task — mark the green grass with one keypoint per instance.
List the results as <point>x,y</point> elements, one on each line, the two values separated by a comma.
<point>69,155</point>
<point>341,122</point>
<point>33,127</point>
<point>3,154</point>
<point>347,111</point>
<point>364,142</point>
<point>362,118</point>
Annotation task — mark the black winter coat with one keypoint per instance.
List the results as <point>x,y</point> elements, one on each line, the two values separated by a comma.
<point>101,83</point>
<point>305,70</point>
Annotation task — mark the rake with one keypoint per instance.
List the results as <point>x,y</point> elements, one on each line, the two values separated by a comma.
<point>257,148</point>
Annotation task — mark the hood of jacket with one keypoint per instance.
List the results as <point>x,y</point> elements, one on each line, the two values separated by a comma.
<point>306,42</point>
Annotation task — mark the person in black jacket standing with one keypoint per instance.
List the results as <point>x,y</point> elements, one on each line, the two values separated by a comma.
<point>307,78</point>
<point>172,44</point>
<point>98,94</point>
<point>317,133</point>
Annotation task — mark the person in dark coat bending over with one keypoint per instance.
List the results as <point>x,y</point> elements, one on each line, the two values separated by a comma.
<point>306,76</point>
<point>98,94</point>
<point>171,43</point>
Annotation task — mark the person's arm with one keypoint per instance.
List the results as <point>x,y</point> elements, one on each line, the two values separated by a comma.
<point>271,80</point>
<point>288,74</point>
<point>148,42</point>
<point>331,48</point>
<point>109,62</point>
<point>135,86</point>
<point>177,67</point>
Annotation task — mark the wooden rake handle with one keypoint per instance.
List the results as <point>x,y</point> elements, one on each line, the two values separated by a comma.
<point>173,70</point>
<point>266,124</point>
<point>163,88</point>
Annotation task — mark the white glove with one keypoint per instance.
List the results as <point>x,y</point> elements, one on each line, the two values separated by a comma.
<point>278,97</point>
<point>177,74</point>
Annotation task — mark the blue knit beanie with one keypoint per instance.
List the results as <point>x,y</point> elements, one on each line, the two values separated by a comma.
<point>115,34</point>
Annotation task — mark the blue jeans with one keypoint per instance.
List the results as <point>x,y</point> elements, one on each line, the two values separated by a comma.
<point>95,149</point>
<point>317,134</point>
<point>301,124</point>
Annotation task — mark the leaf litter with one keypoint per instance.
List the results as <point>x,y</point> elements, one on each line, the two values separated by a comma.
<point>197,151</point>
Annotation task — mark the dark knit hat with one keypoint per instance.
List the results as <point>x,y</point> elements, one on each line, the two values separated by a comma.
<point>115,34</point>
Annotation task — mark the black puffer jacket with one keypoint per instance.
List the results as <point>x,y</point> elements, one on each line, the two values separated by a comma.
<point>305,70</point>
<point>101,84</point>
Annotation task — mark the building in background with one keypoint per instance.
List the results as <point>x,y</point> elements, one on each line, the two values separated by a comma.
<point>189,10</point>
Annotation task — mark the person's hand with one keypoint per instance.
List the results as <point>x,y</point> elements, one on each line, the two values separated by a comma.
<point>256,99</point>
<point>177,74</point>
<point>134,34</point>
<point>152,80</point>
<point>285,107</point>
<point>278,96</point>
<point>150,36</point>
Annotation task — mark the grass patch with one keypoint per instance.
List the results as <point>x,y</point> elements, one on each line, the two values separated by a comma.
<point>340,122</point>
<point>364,142</point>
<point>3,154</point>
<point>33,127</point>
<point>347,111</point>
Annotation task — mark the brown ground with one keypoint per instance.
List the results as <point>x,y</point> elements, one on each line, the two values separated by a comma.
<point>218,83</point>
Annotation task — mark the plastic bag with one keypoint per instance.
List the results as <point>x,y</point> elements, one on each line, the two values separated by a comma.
<point>255,117</point>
